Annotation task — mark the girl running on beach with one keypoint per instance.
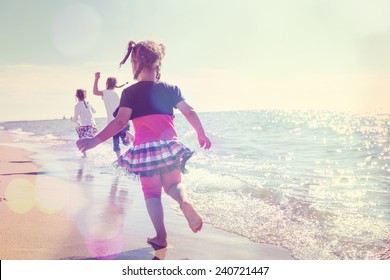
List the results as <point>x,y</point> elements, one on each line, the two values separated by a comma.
<point>157,156</point>
<point>83,110</point>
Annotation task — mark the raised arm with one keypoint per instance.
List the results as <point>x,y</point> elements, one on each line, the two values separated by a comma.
<point>96,90</point>
<point>193,118</point>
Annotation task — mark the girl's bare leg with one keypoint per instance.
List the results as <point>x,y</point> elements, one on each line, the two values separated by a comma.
<point>155,209</point>
<point>156,214</point>
<point>173,188</point>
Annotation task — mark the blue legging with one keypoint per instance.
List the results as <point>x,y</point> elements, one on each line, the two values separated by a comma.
<point>122,135</point>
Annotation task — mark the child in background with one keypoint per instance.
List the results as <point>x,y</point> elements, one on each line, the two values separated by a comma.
<point>111,102</point>
<point>157,156</point>
<point>83,111</point>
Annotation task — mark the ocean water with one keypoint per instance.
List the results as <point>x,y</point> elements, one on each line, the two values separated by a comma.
<point>314,182</point>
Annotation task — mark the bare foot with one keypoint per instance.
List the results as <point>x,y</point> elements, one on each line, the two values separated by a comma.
<point>194,220</point>
<point>154,241</point>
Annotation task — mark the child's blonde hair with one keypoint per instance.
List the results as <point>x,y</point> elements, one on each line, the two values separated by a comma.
<point>111,82</point>
<point>149,55</point>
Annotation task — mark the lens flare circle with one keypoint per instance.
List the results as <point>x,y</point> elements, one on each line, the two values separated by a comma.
<point>20,194</point>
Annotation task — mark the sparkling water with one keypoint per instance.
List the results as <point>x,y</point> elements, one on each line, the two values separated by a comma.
<point>315,182</point>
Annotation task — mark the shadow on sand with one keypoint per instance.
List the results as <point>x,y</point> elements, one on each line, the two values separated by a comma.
<point>147,253</point>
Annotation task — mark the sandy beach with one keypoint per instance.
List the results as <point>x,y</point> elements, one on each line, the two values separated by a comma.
<point>45,217</point>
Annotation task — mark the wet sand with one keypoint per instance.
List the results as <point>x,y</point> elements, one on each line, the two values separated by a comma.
<point>97,216</point>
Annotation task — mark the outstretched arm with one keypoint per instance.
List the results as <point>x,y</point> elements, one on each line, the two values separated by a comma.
<point>109,131</point>
<point>193,118</point>
<point>96,90</point>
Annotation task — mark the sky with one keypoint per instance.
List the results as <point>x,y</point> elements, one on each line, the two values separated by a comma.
<point>223,55</point>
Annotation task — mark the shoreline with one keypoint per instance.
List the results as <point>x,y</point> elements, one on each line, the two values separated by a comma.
<point>45,217</point>
<point>27,232</point>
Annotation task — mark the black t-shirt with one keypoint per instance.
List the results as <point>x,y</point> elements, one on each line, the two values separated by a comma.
<point>148,98</point>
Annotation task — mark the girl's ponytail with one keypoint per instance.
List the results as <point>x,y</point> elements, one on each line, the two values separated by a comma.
<point>129,49</point>
<point>122,85</point>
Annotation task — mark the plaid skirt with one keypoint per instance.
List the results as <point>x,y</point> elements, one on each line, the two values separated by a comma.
<point>85,131</point>
<point>152,158</point>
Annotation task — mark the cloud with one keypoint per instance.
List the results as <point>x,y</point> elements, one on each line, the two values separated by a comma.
<point>47,91</point>
<point>221,89</point>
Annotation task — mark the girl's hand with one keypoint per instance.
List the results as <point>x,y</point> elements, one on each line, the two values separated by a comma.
<point>86,144</point>
<point>204,142</point>
<point>97,75</point>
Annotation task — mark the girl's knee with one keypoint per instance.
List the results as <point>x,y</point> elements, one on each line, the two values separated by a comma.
<point>150,194</point>
<point>167,188</point>
<point>170,179</point>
